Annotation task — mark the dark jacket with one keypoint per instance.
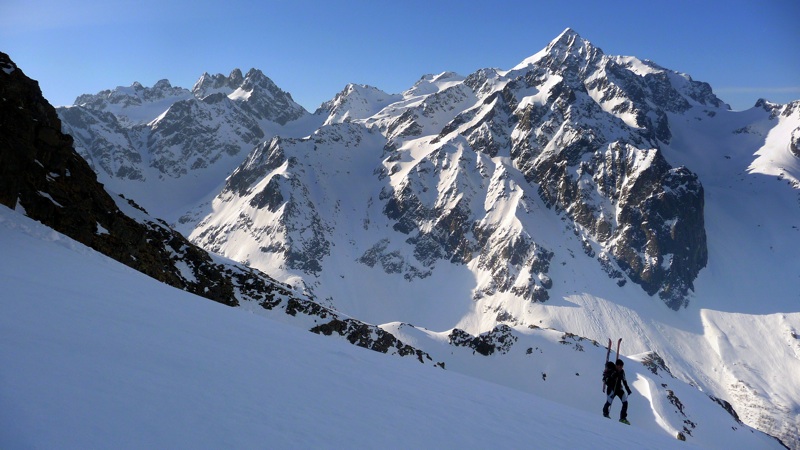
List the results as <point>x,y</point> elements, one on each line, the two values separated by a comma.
<point>615,381</point>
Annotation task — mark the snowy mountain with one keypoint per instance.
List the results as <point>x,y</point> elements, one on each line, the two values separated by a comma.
<point>595,194</point>
<point>581,127</point>
<point>169,147</point>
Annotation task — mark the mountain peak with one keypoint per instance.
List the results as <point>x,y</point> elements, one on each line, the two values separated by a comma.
<point>356,101</point>
<point>235,78</point>
<point>432,83</point>
<point>211,84</point>
<point>162,84</point>
<point>567,47</point>
<point>256,78</point>
<point>133,104</point>
<point>569,42</point>
<point>255,74</point>
<point>566,37</point>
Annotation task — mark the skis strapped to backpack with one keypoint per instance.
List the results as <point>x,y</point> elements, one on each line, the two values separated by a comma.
<point>608,350</point>
<point>608,355</point>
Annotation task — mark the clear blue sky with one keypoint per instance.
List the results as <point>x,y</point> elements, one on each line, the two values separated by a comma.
<point>312,49</point>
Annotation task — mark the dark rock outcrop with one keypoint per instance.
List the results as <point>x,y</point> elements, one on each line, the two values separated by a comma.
<point>500,339</point>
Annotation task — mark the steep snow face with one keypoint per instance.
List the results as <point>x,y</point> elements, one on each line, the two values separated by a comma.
<point>747,298</point>
<point>169,147</point>
<point>289,191</point>
<point>780,154</point>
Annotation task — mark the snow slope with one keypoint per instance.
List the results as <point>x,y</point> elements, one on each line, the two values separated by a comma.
<point>97,355</point>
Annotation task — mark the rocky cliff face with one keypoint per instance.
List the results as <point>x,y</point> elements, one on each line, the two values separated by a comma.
<point>592,145</point>
<point>584,130</point>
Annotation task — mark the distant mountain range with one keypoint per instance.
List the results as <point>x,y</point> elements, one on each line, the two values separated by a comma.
<point>601,195</point>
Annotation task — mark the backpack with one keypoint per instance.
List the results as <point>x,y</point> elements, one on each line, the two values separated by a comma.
<point>609,374</point>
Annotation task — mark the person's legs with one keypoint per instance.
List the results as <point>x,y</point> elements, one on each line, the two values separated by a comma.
<point>623,414</point>
<point>609,400</point>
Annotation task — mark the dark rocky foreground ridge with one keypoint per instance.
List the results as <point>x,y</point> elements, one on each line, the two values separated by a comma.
<point>43,177</point>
